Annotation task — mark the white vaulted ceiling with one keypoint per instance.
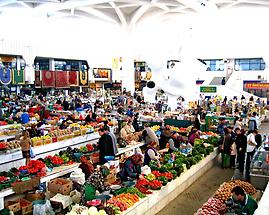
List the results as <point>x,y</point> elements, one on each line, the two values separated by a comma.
<point>121,12</point>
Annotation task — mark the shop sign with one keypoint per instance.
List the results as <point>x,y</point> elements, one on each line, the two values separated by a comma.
<point>18,76</point>
<point>37,79</point>
<point>257,86</point>
<point>48,78</point>
<point>73,78</point>
<point>208,89</point>
<point>83,78</point>
<point>62,79</point>
<point>5,75</point>
<point>102,74</point>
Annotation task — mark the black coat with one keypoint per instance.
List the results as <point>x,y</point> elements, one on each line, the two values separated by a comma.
<point>105,146</point>
<point>241,142</point>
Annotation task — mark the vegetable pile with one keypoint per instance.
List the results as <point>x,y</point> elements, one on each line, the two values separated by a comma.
<point>212,206</point>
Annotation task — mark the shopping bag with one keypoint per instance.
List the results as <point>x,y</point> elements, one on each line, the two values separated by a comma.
<point>225,160</point>
<point>32,154</point>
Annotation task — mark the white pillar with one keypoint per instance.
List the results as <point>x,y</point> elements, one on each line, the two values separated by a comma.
<point>128,73</point>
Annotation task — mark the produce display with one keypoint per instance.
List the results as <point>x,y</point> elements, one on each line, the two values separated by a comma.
<point>212,206</point>
<point>224,192</point>
<point>216,204</point>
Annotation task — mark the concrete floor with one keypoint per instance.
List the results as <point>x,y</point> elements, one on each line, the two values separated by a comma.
<point>188,202</point>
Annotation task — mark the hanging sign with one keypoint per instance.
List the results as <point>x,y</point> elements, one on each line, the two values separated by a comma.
<point>18,76</point>
<point>37,79</point>
<point>83,78</point>
<point>257,86</point>
<point>62,79</point>
<point>5,76</point>
<point>48,78</point>
<point>208,89</point>
<point>102,74</point>
<point>73,78</point>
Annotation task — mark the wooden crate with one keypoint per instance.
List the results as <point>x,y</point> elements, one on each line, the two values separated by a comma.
<point>26,207</point>
<point>13,206</point>
<point>60,185</point>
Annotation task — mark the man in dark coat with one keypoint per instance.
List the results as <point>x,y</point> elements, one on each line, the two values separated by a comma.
<point>105,146</point>
<point>241,146</point>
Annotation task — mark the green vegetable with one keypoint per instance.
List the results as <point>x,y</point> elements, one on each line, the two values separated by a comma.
<point>134,190</point>
<point>163,179</point>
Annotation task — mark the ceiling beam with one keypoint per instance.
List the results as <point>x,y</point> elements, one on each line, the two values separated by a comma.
<point>68,4</point>
<point>7,2</point>
<point>99,14</point>
<point>139,13</point>
<point>119,13</point>
<point>266,3</point>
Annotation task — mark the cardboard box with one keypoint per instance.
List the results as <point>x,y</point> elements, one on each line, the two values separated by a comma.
<point>26,207</point>
<point>60,185</point>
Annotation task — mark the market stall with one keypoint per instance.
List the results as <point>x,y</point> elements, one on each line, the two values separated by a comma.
<point>263,203</point>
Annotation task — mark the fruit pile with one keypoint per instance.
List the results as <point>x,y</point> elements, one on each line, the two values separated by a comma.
<point>54,160</point>
<point>224,192</point>
<point>3,179</point>
<point>127,198</point>
<point>3,146</point>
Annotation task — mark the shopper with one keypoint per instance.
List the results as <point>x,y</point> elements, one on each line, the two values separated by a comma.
<point>226,148</point>
<point>241,146</point>
<point>221,126</point>
<point>25,118</point>
<point>251,148</point>
<point>135,122</point>
<point>246,203</point>
<point>105,146</point>
<point>151,153</point>
<point>253,122</point>
<point>113,137</point>
<point>258,139</point>
<point>25,143</point>
<point>132,168</point>
<point>149,135</point>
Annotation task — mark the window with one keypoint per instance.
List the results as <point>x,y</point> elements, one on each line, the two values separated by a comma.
<point>214,65</point>
<point>41,64</point>
<point>248,64</point>
<point>60,65</point>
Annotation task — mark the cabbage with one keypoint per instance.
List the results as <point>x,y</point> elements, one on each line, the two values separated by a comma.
<point>93,211</point>
<point>102,212</point>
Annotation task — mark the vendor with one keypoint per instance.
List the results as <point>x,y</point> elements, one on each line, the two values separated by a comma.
<point>86,167</point>
<point>149,135</point>
<point>91,117</point>
<point>194,134</point>
<point>25,143</point>
<point>247,203</point>
<point>151,153</point>
<point>127,129</point>
<point>64,125</point>
<point>132,167</point>
<point>164,138</point>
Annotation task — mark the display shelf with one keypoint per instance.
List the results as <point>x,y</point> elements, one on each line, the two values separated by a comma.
<point>155,202</point>
<point>263,207</point>
<point>8,126</point>
<point>129,148</point>
<point>7,137</point>
<point>15,159</point>
<point>57,172</point>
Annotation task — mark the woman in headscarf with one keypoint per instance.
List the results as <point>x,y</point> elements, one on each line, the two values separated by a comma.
<point>132,167</point>
<point>151,153</point>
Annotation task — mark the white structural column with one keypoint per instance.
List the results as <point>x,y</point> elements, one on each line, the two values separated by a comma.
<point>127,73</point>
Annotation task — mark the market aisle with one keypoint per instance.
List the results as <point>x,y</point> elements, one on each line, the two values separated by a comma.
<point>198,193</point>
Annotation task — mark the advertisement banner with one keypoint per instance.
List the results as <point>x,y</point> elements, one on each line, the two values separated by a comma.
<point>48,78</point>
<point>102,74</point>
<point>62,79</point>
<point>257,86</point>
<point>73,78</point>
<point>208,89</point>
<point>83,78</point>
<point>37,79</point>
<point>18,76</point>
<point>5,76</point>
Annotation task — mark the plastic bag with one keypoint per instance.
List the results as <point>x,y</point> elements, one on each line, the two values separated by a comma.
<point>32,154</point>
<point>42,207</point>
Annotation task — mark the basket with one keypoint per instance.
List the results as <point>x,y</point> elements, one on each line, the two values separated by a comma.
<point>35,196</point>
